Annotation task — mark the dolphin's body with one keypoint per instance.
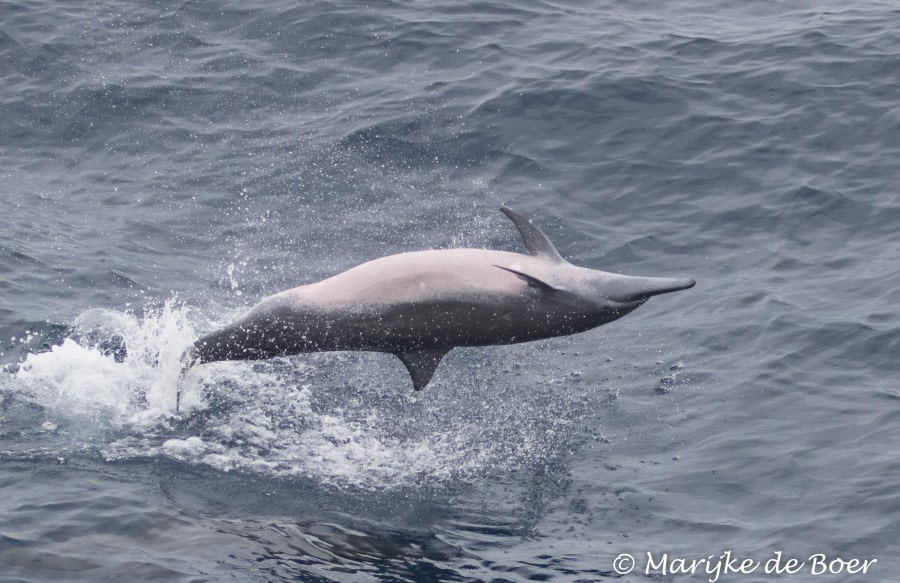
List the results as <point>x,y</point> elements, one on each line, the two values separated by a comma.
<point>421,305</point>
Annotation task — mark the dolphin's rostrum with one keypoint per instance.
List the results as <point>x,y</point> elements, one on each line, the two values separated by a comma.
<point>420,305</point>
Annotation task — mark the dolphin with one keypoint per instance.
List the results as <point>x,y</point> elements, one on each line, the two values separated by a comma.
<point>420,305</point>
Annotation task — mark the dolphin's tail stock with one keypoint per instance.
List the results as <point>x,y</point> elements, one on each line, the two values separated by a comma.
<point>189,358</point>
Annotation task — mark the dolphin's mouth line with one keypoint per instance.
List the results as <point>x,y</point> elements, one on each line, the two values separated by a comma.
<point>655,287</point>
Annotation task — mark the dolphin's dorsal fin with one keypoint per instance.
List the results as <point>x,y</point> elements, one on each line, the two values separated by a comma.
<point>535,239</point>
<point>421,364</point>
<point>531,280</point>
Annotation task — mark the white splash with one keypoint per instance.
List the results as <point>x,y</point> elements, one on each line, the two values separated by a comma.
<point>79,375</point>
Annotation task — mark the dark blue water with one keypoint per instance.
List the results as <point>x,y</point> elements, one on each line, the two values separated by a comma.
<point>163,165</point>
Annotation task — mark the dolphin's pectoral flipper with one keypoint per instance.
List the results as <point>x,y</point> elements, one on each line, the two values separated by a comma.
<point>531,280</point>
<point>535,239</point>
<point>557,294</point>
<point>421,364</point>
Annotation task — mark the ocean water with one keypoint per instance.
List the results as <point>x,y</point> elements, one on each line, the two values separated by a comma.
<point>163,165</point>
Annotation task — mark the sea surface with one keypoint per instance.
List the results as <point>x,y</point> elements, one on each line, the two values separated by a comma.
<point>166,164</point>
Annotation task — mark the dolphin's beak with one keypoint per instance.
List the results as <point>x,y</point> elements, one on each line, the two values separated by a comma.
<point>640,289</point>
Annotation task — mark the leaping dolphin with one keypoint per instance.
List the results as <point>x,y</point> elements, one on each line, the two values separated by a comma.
<point>420,305</point>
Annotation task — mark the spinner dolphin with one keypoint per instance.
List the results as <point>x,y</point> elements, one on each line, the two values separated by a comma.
<point>421,305</point>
